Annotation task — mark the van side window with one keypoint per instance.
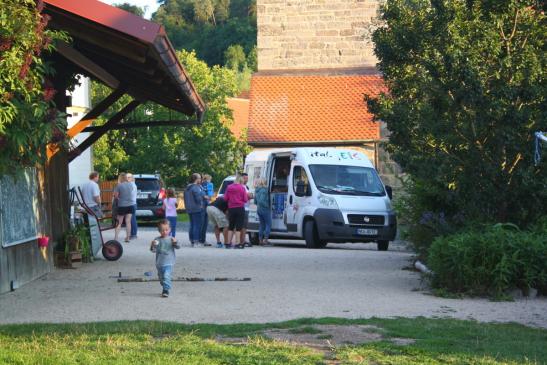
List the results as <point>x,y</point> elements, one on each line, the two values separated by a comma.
<point>300,181</point>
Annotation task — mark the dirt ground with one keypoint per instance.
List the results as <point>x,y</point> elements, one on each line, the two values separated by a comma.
<point>287,281</point>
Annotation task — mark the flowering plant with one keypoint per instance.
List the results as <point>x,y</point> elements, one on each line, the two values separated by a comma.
<point>28,118</point>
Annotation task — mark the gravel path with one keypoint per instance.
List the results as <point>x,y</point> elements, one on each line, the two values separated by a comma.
<point>288,282</point>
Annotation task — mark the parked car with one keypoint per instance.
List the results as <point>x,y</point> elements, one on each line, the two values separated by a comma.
<point>149,199</point>
<point>225,183</point>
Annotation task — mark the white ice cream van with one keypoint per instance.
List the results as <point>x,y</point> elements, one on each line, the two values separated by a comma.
<point>322,195</point>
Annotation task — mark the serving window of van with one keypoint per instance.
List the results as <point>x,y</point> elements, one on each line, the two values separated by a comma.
<point>347,180</point>
<point>280,181</point>
<point>300,181</point>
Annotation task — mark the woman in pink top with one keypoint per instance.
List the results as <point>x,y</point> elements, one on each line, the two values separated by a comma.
<point>236,197</point>
<point>170,208</point>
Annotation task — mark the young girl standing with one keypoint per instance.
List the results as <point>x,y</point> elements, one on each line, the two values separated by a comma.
<point>170,208</point>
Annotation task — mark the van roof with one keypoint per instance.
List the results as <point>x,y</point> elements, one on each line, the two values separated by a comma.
<point>316,155</point>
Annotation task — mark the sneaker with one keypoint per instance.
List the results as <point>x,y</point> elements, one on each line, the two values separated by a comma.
<point>165,293</point>
<point>133,237</point>
<point>206,244</point>
<point>192,244</point>
<point>220,245</point>
<point>240,246</point>
<point>228,245</point>
<point>247,244</point>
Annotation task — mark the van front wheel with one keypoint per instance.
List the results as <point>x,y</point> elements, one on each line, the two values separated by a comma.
<point>383,245</point>
<point>311,236</point>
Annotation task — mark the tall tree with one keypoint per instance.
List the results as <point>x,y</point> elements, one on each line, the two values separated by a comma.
<point>177,152</point>
<point>209,26</point>
<point>137,10</point>
<point>467,91</point>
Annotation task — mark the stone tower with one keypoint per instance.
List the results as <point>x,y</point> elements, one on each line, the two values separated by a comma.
<point>316,34</point>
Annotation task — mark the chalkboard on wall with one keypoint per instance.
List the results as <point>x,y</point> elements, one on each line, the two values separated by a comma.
<point>18,207</point>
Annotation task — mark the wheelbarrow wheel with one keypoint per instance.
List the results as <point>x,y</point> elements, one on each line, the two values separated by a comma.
<point>112,250</point>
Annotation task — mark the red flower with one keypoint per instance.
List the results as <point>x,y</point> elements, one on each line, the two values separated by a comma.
<point>26,66</point>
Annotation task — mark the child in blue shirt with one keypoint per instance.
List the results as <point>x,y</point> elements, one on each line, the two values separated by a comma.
<point>164,247</point>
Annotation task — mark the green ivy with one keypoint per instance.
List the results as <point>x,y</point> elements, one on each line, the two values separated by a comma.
<point>28,118</point>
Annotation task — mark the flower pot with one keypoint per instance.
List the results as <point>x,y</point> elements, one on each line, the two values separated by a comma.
<point>43,241</point>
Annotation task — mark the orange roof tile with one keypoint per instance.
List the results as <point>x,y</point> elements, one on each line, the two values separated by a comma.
<point>312,108</point>
<point>240,113</point>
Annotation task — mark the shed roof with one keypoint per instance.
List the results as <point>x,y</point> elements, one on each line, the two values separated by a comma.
<point>308,108</point>
<point>127,49</point>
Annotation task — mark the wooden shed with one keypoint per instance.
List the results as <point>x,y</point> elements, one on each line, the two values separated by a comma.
<point>131,55</point>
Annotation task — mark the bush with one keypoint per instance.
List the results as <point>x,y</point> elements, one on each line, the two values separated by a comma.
<point>491,261</point>
<point>426,211</point>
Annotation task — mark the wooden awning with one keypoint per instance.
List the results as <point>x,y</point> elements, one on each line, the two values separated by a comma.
<point>127,53</point>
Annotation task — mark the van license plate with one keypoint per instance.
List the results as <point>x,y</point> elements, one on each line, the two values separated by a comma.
<point>367,232</point>
<point>142,196</point>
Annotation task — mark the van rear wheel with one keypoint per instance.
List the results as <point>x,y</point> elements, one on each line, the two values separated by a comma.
<point>383,245</point>
<point>311,236</point>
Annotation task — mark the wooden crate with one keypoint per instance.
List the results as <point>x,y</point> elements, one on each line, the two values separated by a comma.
<point>72,261</point>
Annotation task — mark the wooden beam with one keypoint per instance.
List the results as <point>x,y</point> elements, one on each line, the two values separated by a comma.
<point>150,123</point>
<point>96,111</point>
<point>102,130</point>
<point>86,64</point>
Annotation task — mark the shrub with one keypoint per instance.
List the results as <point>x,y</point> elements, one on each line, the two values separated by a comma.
<point>491,261</point>
<point>426,211</point>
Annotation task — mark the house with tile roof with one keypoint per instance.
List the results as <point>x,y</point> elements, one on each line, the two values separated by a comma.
<point>315,64</point>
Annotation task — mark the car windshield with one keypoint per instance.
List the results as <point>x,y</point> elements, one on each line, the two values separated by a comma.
<point>224,185</point>
<point>347,180</point>
<point>147,184</point>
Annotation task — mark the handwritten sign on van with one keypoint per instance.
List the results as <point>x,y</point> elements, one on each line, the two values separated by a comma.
<point>338,155</point>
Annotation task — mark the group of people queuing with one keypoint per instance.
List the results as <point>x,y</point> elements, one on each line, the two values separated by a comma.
<point>230,213</point>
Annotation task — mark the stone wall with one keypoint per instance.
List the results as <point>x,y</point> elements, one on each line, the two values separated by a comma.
<point>304,34</point>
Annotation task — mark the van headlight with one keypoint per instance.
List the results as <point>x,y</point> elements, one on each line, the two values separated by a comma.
<point>327,201</point>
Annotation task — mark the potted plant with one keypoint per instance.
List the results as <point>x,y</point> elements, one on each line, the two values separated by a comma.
<point>76,244</point>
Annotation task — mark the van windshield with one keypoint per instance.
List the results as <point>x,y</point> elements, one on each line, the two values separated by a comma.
<point>347,180</point>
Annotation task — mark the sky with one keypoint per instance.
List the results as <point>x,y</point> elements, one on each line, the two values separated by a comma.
<point>151,5</point>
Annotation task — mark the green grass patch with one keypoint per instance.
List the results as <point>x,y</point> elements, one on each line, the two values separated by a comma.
<point>437,341</point>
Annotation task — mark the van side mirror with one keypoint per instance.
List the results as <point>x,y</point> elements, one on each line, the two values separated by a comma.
<point>389,192</point>
<point>308,190</point>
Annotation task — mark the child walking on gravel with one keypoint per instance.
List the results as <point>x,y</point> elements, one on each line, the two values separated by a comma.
<point>164,247</point>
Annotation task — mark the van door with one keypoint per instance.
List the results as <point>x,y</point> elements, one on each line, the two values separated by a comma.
<point>299,187</point>
<point>279,186</point>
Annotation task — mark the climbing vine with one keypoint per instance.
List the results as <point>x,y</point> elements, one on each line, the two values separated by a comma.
<point>28,118</point>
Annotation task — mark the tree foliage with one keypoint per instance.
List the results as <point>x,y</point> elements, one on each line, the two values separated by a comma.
<point>209,26</point>
<point>466,93</point>
<point>28,120</point>
<point>134,9</point>
<point>177,152</point>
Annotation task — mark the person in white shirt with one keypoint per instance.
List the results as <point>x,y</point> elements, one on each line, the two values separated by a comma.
<point>92,194</point>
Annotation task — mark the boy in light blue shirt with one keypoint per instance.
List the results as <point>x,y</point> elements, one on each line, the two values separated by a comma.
<point>164,247</point>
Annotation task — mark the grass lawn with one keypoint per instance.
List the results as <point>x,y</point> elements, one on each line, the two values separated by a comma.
<point>437,341</point>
